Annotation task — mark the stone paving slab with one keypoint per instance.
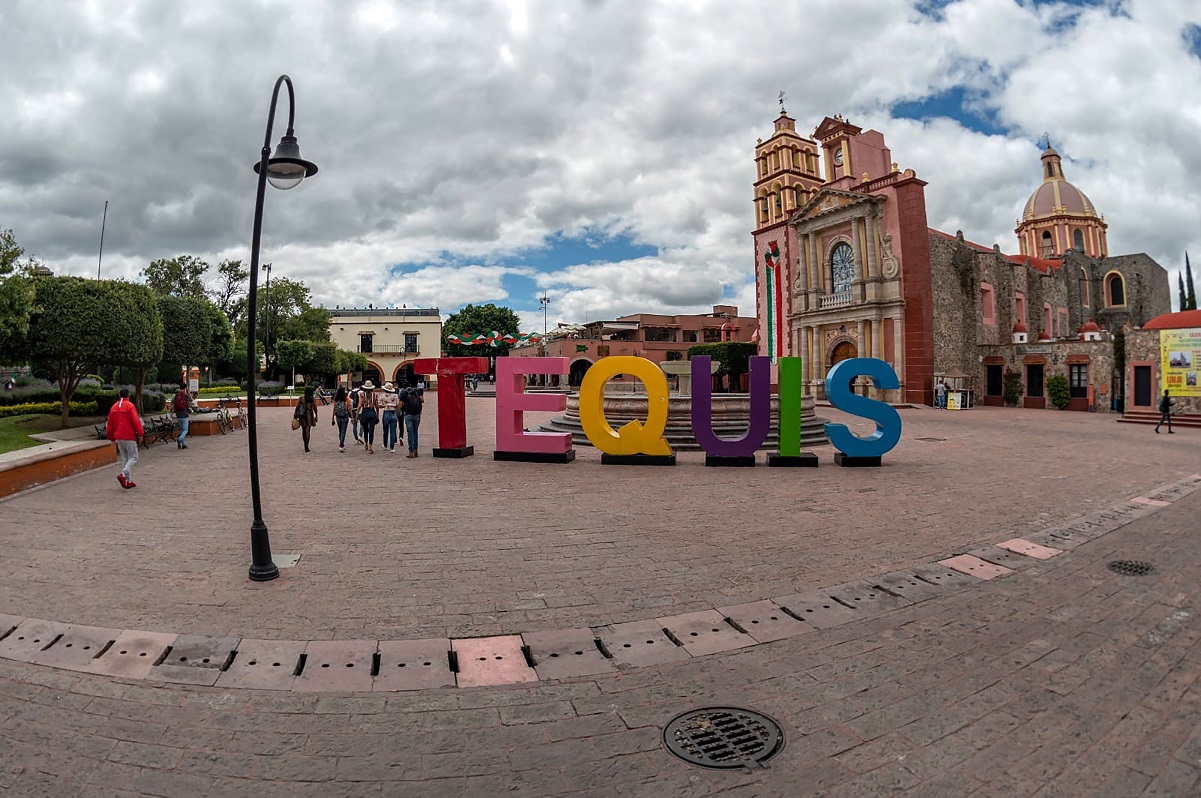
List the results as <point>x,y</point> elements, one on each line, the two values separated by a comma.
<point>485,661</point>
<point>566,654</point>
<point>194,659</point>
<point>77,648</point>
<point>705,632</point>
<point>863,596</point>
<point>1019,546</point>
<point>817,608</point>
<point>133,654</point>
<point>640,643</point>
<point>910,586</point>
<point>414,665</point>
<point>764,621</point>
<point>264,665</point>
<point>30,638</point>
<point>337,666</point>
<point>974,566</point>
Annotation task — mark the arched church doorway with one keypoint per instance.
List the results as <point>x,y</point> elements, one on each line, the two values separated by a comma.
<point>405,373</point>
<point>844,350</point>
<point>576,375</point>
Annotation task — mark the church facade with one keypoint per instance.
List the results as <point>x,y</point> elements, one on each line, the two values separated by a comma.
<point>846,266</point>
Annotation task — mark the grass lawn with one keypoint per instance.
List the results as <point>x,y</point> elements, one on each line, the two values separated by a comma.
<point>15,430</point>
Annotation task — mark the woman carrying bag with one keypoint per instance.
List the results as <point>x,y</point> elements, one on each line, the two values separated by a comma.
<point>368,415</point>
<point>306,414</point>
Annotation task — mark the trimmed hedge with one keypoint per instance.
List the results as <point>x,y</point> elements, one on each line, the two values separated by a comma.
<point>224,390</point>
<point>103,398</point>
<point>49,409</point>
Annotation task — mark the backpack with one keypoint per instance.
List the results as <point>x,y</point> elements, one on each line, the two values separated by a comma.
<point>181,401</point>
<point>355,395</point>
<point>340,409</point>
<point>411,401</point>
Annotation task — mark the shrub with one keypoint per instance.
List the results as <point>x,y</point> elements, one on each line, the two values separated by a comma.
<point>1057,389</point>
<point>270,388</point>
<point>1012,390</point>
<point>222,390</point>
<point>49,408</point>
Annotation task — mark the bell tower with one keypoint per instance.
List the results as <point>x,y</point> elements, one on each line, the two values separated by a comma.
<point>786,176</point>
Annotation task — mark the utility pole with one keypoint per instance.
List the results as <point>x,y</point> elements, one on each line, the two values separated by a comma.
<point>544,300</point>
<point>103,220</point>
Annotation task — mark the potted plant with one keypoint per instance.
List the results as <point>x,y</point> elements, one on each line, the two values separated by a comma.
<point>1057,389</point>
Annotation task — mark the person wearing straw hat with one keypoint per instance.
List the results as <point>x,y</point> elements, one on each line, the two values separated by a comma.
<point>387,400</point>
<point>368,416</point>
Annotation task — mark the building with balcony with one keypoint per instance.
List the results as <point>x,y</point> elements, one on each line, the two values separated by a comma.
<point>655,337</point>
<point>390,338</point>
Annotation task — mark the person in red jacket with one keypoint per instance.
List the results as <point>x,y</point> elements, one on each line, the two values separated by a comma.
<point>124,428</point>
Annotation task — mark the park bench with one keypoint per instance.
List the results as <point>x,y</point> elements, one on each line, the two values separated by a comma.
<point>161,429</point>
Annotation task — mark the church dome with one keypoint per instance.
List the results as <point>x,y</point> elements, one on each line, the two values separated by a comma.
<point>1056,196</point>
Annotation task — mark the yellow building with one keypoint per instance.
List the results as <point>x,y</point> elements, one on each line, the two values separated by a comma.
<point>390,338</point>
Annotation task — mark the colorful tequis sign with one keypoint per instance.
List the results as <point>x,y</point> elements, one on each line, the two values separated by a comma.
<point>646,438</point>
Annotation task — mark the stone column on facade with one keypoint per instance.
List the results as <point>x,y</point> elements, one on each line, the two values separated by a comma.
<point>898,348</point>
<point>802,276</point>
<point>857,255</point>
<point>805,368</point>
<point>815,269</point>
<point>873,230</point>
<point>878,338</point>
<point>815,359</point>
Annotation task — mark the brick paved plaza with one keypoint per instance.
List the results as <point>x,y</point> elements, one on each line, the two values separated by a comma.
<point>1061,678</point>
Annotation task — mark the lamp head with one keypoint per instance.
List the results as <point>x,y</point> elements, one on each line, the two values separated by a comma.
<point>286,168</point>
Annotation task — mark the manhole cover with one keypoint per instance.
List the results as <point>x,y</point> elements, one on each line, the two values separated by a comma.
<point>723,738</point>
<point>1130,567</point>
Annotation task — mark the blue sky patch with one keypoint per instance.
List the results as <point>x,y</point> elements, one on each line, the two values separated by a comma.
<point>955,103</point>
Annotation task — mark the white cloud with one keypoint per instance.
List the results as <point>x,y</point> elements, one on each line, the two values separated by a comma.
<point>467,131</point>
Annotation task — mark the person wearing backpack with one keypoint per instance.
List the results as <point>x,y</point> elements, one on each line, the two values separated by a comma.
<point>1165,413</point>
<point>410,403</point>
<point>341,416</point>
<point>356,398</point>
<point>182,404</point>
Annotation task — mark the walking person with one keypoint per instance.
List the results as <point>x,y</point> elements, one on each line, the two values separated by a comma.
<point>411,401</point>
<point>1165,412</point>
<point>341,416</point>
<point>306,413</point>
<point>356,398</point>
<point>387,401</point>
<point>183,405</point>
<point>368,416</point>
<point>124,428</point>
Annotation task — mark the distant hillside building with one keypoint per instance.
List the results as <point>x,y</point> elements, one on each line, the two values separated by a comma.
<point>846,266</point>
<point>655,337</point>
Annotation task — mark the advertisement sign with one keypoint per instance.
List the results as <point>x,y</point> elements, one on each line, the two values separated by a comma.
<point>1180,360</point>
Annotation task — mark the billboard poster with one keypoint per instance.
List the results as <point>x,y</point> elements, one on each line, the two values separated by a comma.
<point>1180,360</point>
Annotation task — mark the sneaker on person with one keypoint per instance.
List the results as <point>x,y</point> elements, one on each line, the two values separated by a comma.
<point>122,480</point>
<point>129,483</point>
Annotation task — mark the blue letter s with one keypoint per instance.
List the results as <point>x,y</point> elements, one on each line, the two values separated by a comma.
<point>888,421</point>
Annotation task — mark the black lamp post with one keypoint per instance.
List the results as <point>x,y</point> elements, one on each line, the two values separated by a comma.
<point>267,313</point>
<point>285,170</point>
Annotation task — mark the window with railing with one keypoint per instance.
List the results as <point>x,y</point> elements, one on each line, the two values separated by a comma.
<point>365,343</point>
<point>410,342</point>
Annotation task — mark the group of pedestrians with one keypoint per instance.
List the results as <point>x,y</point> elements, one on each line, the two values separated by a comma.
<point>365,407</point>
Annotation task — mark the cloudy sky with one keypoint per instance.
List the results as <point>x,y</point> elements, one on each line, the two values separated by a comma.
<point>595,151</point>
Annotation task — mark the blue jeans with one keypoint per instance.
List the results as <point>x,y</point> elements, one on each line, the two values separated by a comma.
<point>342,422</point>
<point>389,422</point>
<point>183,430</point>
<point>411,425</point>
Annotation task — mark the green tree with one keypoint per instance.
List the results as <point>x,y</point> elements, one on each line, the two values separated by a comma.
<point>16,292</point>
<point>473,320</point>
<point>733,356</point>
<point>1183,295</point>
<point>310,324</point>
<point>350,362</point>
<point>294,355</point>
<point>1191,292</point>
<point>187,333</point>
<point>230,291</point>
<point>77,324</point>
<point>323,362</point>
<point>179,276</point>
<point>221,336</point>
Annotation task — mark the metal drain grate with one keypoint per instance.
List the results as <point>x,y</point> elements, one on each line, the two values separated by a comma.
<point>1130,567</point>
<point>723,738</point>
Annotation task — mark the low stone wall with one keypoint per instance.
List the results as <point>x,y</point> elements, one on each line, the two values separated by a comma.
<point>28,468</point>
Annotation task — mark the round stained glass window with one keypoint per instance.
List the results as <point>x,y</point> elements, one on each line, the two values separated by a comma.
<point>842,267</point>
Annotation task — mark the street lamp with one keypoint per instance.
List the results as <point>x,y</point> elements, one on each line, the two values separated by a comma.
<point>267,313</point>
<point>285,170</point>
<point>544,300</point>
